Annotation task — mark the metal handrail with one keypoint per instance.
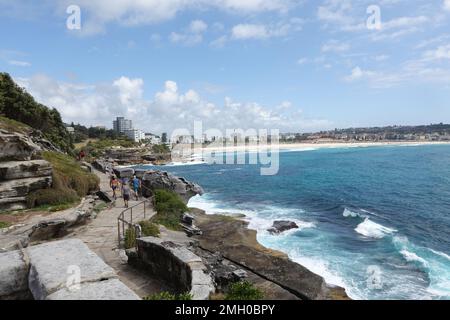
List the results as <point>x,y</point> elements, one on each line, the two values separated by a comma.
<point>122,221</point>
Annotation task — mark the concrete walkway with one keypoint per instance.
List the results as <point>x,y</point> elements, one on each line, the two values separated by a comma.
<point>101,237</point>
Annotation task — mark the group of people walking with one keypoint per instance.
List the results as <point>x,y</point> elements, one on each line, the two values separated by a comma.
<point>126,187</point>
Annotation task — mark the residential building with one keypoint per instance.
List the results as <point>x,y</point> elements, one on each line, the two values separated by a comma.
<point>135,135</point>
<point>120,125</point>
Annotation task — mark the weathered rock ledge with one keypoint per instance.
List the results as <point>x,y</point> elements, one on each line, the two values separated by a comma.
<point>237,243</point>
<point>60,270</point>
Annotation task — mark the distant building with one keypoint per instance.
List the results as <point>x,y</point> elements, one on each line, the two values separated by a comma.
<point>135,135</point>
<point>120,125</point>
<point>164,138</point>
<point>71,130</point>
<point>152,138</point>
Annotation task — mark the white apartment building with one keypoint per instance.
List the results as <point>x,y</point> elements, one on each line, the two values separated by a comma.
<point>135,134</point>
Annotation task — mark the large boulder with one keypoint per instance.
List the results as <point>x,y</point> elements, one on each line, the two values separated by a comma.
<point>17,147</point>
<point>281,226</point>
<point>154,180</point>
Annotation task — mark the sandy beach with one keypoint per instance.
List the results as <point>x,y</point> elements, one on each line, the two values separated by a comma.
<point>197,151</point>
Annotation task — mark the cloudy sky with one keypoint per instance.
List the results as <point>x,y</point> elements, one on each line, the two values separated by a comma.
<point>294,65</point>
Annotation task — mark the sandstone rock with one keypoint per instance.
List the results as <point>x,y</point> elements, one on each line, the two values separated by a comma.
<point>103,290</point>
<point>51,264</point>
<point>21,187</point>
<point>281,226</point>
<point>24,169</point>
<point>154,180</point>
<point>13,276</point>
<point>17,147</point>
<point>16,203</point>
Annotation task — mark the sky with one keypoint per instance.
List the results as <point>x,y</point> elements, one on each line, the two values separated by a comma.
<point>292,65</point>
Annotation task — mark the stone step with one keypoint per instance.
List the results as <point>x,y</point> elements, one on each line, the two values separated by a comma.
<point>24,169</point>
<point>60,270</point>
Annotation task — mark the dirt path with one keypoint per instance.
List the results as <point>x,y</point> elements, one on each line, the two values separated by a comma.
<point>101,237</point>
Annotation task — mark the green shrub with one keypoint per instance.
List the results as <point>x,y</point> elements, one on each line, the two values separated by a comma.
<point>51,197</point>
<point>160,149</point>
<point>4,224</point>
<point>130,238</point>
<point>169,296</point>
<point>68,174</point>
<point>169,208</point>
<point>149,229</point>
<point>243,290</point>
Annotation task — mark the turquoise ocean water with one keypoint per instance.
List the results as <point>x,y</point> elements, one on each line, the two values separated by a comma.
<point>374,220</point>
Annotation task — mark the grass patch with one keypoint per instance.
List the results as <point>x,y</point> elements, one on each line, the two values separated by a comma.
<point>100,207</point>
<point>243,290</point>
<point>96,148</point>
<point>4,224</point>
<point>169,208</point>
<point>169,296</point>
<point>70,183</point>
<point>13,125</point>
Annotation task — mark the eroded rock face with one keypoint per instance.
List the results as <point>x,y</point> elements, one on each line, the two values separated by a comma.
<point>21,169</point>
<point>281,226</point>
<point>153,180</point>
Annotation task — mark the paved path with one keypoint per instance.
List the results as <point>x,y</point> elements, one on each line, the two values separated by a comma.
<point>101,237</point>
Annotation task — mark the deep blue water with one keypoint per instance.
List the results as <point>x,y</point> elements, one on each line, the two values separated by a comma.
<point>374,220</point>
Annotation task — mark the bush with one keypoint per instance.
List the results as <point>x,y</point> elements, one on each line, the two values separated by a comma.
<point>160,149</point>
<point>70,183</point>
<point>68,174</point>
<point>169,208</point>
<point>169,296</point>
<point>130,238</point>
<point>243,290</point>
<point>51,197</point>
<point>149,229</point>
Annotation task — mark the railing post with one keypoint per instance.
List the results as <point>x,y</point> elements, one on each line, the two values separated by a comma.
<point>118,231</point>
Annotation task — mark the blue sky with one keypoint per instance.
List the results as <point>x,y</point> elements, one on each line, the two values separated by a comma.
<point>292,65</point>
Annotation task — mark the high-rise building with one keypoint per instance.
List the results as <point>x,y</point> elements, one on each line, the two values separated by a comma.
<point>164,138</point>
<point>120,125</point>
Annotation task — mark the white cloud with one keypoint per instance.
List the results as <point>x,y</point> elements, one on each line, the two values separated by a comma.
<point>19,63</point>
<point>262,31</point>
<point>167,110</point>
<point>447,5</point>
<point>100,13</point>
<point>198,26</point>
<point>193,34</point>
<point>335,46</point>
<point>440,53</point>
<point>250,31</point>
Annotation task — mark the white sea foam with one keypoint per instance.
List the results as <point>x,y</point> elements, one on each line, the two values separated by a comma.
<point>411,257</point>
<point>371,229</point>
<point>349,213</point>
<point>446,256</point>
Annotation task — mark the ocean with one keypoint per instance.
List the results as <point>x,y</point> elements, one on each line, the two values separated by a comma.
<point>374,220</point>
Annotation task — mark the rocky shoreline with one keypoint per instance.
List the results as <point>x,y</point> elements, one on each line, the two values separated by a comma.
<point>232,239</point>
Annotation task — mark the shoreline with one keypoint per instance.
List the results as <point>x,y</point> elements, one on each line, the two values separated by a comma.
<point>232,237</point>
<point>314,146</point>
